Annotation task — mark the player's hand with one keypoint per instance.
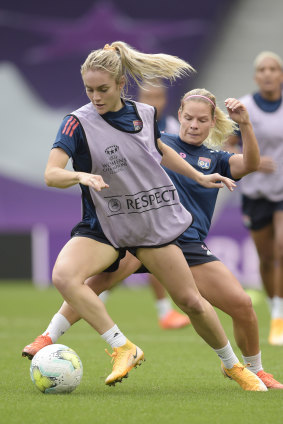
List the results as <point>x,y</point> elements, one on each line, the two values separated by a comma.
<point>237,111</point>
<point>217,181</point>
<point>266,165</point>
<point>91,180</point>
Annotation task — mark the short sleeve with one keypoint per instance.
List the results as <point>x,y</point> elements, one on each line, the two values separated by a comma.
<point>69,136</point>
<point>223,163</point>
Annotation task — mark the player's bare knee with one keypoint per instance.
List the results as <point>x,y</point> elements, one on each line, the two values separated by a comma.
<point>60,279</point>
<point>243,308</point>
<point>193,305</point>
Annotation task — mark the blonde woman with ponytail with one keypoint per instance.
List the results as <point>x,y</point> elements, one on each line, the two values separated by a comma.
<point>204,128</point>
<point>129,204</point>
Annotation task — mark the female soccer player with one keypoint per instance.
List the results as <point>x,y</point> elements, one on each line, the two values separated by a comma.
<point>262,200</point>
<point>139,208</point>
<point>157,96</point>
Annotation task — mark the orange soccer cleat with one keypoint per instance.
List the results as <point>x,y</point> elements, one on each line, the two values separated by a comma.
<point>174,320</point>
<point>40,342</point>
<point>269,381</point>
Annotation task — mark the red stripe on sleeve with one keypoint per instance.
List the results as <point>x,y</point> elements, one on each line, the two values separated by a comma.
<point>73,129</point>
<point>70,126</point>
<point>71,117</point>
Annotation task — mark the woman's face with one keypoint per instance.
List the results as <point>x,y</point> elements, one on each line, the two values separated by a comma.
<point>103,91</point>
<point>269,76</point>
<point>196,122</point>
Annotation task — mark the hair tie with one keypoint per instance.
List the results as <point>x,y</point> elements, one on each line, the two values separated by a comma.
<point>107,47</point>
<point>203,97</point>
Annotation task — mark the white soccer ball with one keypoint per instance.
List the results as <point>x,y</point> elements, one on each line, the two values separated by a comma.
<point>56,369</point>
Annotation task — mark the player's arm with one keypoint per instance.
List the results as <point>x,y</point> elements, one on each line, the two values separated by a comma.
<point>173,161</point>
<point>57,176</point>
<point>55,173</point>
<point>68,144</point>
<point>248,161</point>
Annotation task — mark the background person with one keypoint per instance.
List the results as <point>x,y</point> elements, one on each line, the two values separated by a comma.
<point>157,95</point>
<point>262,191</point>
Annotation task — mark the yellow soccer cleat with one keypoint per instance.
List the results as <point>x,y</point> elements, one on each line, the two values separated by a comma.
<point>245,378</point>
<point>125,358</point>
<point>276,332</point>
<point>40,342</point>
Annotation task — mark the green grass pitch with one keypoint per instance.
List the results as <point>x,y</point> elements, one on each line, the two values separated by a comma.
<point>180,382</point>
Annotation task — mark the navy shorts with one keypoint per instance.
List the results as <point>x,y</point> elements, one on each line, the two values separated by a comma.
<point>258,213</point>
<point>196,253</point>
<point>133,250</point>
<point>83,229</point>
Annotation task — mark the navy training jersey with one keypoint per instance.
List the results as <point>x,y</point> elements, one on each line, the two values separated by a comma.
<point>200,201</point>
<point>71,139</point>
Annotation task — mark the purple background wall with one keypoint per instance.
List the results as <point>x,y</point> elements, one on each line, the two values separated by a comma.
<point>47,42</point>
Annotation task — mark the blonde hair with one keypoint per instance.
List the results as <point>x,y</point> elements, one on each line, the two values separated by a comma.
<point>224,126</point>
<point>120,59</point>
<point>267,54</point>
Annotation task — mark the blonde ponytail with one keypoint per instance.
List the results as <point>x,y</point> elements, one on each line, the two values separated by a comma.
<point>120,59</point>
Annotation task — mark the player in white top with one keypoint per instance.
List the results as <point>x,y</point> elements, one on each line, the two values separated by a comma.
<point>262,200</point>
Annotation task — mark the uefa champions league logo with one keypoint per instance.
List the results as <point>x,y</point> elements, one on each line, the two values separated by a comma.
<point>111,150</point>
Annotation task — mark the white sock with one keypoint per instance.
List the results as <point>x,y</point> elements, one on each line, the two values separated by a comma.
<point>227,356</point>
<point>277,307</point>
<point>114,337</point>
<point>57,327</point>
<point>254,361</point>
<point>269,301</point>
<point>104,295</point>
<point>163,306</point>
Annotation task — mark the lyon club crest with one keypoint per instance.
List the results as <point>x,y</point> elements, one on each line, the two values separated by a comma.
<point>204,163</point>
<point>137,125</point>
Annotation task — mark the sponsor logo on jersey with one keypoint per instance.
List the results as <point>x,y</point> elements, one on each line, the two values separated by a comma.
<point>183,155</point>
<point>137,125</point>
<point>204,163</point>
<point>144,201</point>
